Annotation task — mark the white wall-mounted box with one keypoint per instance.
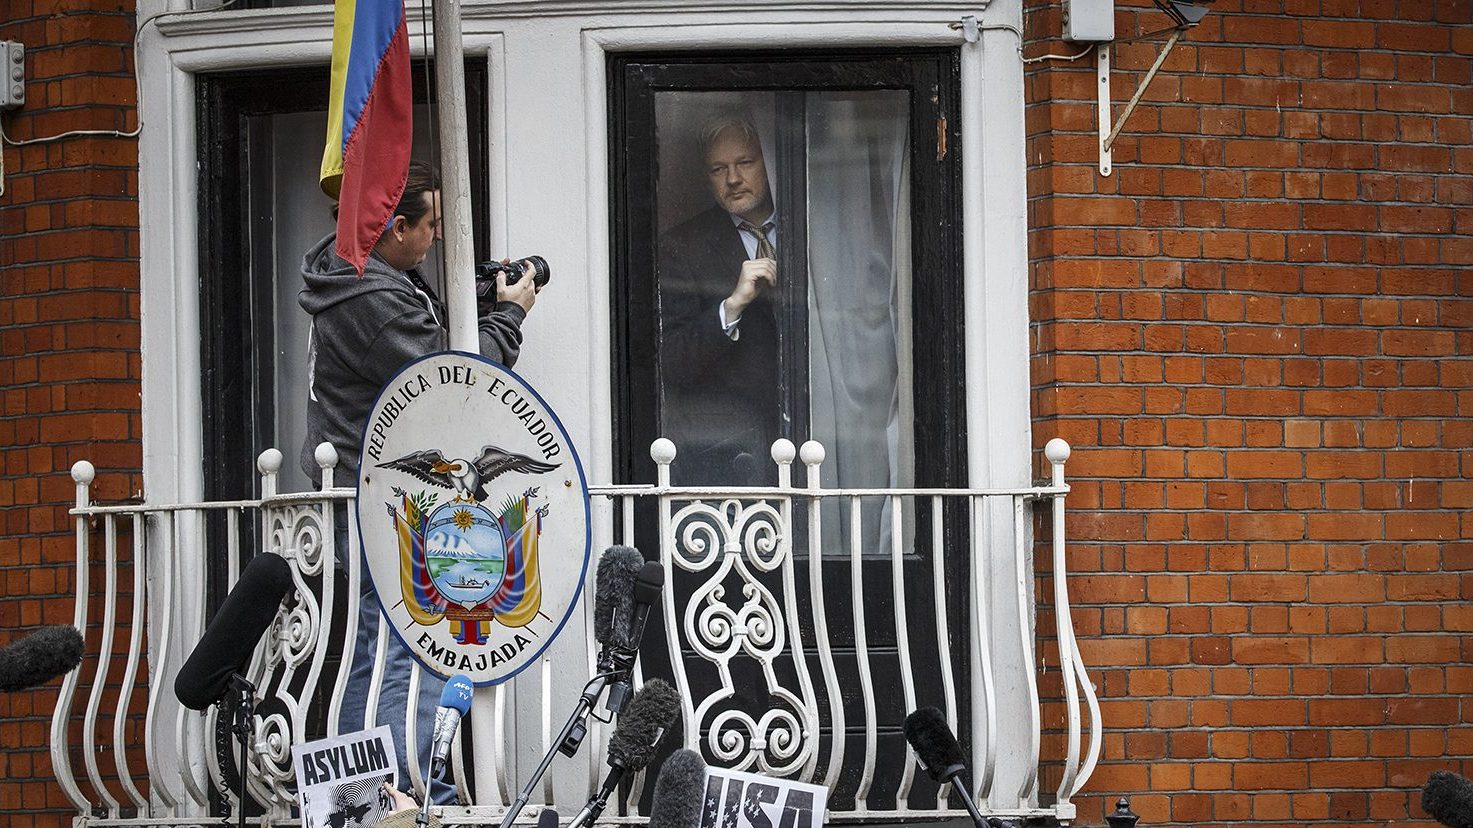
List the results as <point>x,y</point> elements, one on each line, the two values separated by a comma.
<point>1089,21</point>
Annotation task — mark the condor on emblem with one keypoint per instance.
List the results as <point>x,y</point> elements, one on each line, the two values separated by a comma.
<point>474,518</point>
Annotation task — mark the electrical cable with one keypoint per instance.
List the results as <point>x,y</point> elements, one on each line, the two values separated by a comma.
<point>137,99</point>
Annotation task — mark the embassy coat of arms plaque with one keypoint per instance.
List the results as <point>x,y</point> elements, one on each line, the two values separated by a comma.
<point>473,514</point>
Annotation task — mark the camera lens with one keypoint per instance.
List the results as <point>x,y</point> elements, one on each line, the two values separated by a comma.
<point>541,273</point>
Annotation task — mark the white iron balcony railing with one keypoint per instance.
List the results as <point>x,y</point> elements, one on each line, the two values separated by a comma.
<point>838,610</point>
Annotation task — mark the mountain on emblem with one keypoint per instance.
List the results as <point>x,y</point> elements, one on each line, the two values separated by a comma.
<point>463,476</point>
<point>465,552</point>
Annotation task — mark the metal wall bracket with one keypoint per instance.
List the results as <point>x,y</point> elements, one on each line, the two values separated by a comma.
<point>1102,75</point>
<point>1102,92</point>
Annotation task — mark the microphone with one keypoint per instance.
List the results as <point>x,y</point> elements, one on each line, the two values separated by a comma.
<point>679,791</point>
<point>455,701</point>
<point>1448,798</point>
<point>613,594</point>
<point>40,657</point>
<point>929,734</point>
<point>547,819</point>
<point>613,607</point>
<point>625,649</point>
<point>231,637</point>
<point>650,714</point>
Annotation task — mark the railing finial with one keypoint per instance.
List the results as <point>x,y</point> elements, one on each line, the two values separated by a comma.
<point>327,460</point>
<point>268,463</point>
<point>662,451</point>
<point>812,454</point>
<point>1057,451</point>
<point>83,473</point>
<point>783,453</point>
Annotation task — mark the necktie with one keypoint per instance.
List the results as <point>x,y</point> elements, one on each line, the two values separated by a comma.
<point>765,249</point>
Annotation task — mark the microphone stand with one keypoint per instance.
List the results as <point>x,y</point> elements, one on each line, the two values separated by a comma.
<point>955,776</point>
<point>567,741</point>
<point>245,711</point>
<point>595,807</point>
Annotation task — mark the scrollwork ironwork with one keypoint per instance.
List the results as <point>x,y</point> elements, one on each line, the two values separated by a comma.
<point>735,541</point>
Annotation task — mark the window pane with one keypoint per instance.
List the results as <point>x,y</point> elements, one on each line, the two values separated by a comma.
<point>859,275</point>
<point>294,193</point>
<point>859,309</point>
<point>295,140</point>
<point>719,395</point>
<point>722,393</point>
<point>786,217</point>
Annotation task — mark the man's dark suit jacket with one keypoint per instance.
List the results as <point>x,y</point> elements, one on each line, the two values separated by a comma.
<point>719,398</point>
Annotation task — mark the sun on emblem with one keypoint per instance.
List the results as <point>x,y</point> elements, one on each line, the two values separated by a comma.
<point>463,520</point>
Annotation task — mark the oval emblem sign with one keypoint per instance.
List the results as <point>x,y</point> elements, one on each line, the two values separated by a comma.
<point>474,516</point>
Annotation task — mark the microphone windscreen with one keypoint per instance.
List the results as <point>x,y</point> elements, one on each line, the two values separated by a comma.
<point>458,693</point>
<point>233,633</point>
<point>547,819</point>
<point>680,790</point>
<point>651,580</point>
<point>613,592</point>
<point>40,657</point>
<point>649,715</point>
<point>1448,798</point>
<point>929,734</point>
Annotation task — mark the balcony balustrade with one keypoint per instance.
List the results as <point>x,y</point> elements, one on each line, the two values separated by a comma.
<point>843,609</point>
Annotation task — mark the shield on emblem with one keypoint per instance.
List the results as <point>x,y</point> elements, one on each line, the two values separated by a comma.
<point>465,552</point>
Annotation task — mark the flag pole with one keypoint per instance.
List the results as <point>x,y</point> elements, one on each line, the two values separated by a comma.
<point>455,184</point>
<point>460,290</point>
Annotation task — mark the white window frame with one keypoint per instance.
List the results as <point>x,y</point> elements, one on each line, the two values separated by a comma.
<point>526,45</point>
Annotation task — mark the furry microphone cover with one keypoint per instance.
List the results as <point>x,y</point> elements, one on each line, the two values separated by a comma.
<point>1448,798</point>
<point>40,657</point>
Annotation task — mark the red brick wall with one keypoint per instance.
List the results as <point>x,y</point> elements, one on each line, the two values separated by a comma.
<point>69,358</point>
<point>1258,336</point>
<point>1256,333</point>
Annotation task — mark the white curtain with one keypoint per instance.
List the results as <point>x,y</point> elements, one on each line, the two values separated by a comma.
<point>859,299</point>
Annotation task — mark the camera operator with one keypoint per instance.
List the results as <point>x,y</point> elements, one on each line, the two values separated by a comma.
<point>364,329</point>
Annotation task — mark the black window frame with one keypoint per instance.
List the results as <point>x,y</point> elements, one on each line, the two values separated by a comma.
<point>939,361</point>
<point>933,78</point>
<point>235,342</point>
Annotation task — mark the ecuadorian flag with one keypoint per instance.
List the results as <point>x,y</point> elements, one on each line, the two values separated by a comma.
<point>369,114</point>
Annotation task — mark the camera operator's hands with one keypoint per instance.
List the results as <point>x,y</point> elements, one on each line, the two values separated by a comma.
<point>523,292</point>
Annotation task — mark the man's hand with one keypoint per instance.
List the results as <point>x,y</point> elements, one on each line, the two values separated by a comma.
<point>523,292</point>
<point>402,801</point>
<point>757,275</point>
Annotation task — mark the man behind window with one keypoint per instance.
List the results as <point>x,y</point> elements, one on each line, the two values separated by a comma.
<point>363,331</point>
<point>719,354</point>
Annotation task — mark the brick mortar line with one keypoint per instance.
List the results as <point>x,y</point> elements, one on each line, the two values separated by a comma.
<point>1206,229</point>
<point>1231,355</point>
<point>39,262</point>
<point>1229,291</point>
<point>1249,199</point>
<point>1067,196</point>
<point>1245,323</point>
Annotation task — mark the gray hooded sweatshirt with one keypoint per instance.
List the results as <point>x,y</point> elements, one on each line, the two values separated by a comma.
<point>365,330</point>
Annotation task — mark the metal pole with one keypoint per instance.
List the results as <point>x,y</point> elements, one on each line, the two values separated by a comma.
<point>455,193</point>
